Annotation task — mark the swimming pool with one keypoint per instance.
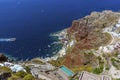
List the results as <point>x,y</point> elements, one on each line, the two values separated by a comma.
<point>66,71</point>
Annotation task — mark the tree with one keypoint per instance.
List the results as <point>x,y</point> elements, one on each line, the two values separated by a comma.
<point>6,69</point>
<point>98,70</point>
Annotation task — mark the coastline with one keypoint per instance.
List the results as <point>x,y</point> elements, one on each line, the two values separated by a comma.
<point>61,35</point>
<point>10,57</point>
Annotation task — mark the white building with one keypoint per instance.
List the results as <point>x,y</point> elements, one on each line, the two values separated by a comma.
<point>8,64</point>
<point>17,68</point>
<point>1,64</point>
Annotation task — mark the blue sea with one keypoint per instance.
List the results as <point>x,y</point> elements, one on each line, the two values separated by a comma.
<point>32,21</point>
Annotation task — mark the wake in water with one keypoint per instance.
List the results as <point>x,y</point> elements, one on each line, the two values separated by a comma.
<point>7,39</point>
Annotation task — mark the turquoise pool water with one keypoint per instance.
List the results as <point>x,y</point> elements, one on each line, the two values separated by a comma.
<point>66,70</point>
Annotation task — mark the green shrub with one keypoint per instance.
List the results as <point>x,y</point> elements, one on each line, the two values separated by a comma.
<point>57,62</point>
<point>13,78</point>
<point>98,70</point>
<point>28,77</point>
<point>83,68</point>
<point>21,74</point>
<point>6,69</point>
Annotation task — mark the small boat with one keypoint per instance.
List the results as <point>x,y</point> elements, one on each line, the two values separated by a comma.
<point>7,39</point>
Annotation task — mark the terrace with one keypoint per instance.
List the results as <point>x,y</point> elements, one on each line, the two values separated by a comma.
<point>90,76</point>
<point>62,73</point>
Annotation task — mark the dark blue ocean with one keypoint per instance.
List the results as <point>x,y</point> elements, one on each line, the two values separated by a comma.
<point>31,22</point>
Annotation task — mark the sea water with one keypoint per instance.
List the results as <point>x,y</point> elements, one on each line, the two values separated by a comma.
<point>32,21</point>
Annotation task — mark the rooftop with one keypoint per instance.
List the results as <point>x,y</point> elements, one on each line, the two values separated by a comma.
<point>90,76</point>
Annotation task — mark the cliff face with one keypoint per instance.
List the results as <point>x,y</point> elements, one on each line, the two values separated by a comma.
<point>87,31</point>
<point>87,34</point>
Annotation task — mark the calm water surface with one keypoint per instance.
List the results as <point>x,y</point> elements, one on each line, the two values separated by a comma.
<point>31,22</point>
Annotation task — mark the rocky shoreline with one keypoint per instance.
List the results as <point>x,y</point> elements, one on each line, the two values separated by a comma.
<point>61,36</point>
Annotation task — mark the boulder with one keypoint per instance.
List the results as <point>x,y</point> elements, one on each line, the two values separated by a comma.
<point>3,58</point>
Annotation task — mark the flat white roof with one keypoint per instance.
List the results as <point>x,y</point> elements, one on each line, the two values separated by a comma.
<point>89,76</point>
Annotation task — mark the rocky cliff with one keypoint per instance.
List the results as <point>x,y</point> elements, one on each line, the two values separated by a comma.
<point>87,31</point>
<point>87,35</point>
